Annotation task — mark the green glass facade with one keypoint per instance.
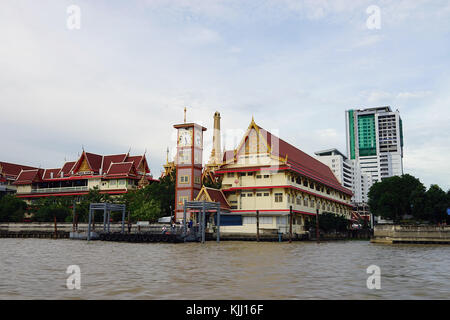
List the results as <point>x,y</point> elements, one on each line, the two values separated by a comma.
<point>351,127</point>
<point>401,133</point>
<point>366,135</point>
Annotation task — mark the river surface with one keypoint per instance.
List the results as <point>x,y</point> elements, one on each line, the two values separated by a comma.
<point>36,269</point>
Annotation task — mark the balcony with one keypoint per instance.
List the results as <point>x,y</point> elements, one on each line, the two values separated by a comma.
<point>61,189</point>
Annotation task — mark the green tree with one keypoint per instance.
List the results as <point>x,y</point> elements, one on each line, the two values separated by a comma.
<point>436,204</point>
<point>47,209</point>
<point>393,197</point>
<point>329,222</point>
<point>93,196</point>
<point>12,209</point>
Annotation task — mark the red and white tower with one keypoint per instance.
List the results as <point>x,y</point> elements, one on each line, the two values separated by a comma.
<point>188,164</point>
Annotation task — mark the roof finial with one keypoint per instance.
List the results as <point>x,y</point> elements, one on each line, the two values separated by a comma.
<point>82,147</point>
<point>184,114</point>
<point>129,150</point>
<point>167,155</point>
<point>253,119</point>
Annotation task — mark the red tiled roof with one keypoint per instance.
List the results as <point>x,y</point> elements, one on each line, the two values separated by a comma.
<point>94,160</point>
<point>299,158</point>
<point>137,162</point>
<point>218,196</point>
<point>107,160</point>
<point>12,169</point>
<point>67,167</point>
<point>122,168</point>
<point>29,176</point>
<point>48,173</point>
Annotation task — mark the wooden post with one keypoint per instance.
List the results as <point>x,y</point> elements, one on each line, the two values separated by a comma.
<point>129,222</point>
<point>317,226</point>
<point>73,216</point>
<point>290,224</point>
<point>56,229</point>
<point>257,225</point>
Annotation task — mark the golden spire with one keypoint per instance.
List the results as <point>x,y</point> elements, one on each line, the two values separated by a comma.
<point>184,114</point>
<point>167,156</point>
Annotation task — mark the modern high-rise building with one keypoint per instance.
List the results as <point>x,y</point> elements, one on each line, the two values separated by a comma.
<point>375,141</point>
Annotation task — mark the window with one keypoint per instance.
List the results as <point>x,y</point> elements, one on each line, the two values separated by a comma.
<point>282,221</point>
<point>250,173</point>
<point>278,197</point>
<point>299,200</point>
<point>258,176</point>
<point>184,179</point>
<point>249,195</point>
<point>242,174</point>
<point>112,182</point>
<point>262,220</point>
<point>242,195</point>
<point>197,180</point>
<point>259,194</point>
<point>266,194</point>
<point>265,220</point>
<point>305,202</point>
<point>122,181</point>
<point>266,176</point>
<point>230,174</point>
<point>305,183</point>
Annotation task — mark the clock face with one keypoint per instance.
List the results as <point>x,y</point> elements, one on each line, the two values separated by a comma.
<point>198,138</point>
<point>185,137</point>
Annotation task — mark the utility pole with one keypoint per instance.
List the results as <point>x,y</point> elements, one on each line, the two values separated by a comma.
<point>257,225</point>
<point>317,226</point>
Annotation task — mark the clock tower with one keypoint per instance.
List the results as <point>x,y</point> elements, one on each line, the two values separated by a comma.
<point>188,164</point>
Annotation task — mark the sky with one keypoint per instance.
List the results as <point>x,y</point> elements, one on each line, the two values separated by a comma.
<point>121,80</point>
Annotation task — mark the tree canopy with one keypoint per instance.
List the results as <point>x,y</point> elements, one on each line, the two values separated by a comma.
<point>399,196</point>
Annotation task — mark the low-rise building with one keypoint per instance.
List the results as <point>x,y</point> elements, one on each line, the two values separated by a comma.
<point>271,176</point>
<point>8,174</point>
<point>111,174</point>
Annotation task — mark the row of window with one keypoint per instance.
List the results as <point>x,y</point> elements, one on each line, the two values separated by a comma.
<point>185,180</point>
<point>250,174</point>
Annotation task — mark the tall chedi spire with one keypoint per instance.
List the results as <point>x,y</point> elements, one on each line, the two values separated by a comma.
<point>216,153</point>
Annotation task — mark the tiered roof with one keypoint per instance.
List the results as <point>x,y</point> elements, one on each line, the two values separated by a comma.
<point>12,170</point>
<point>89,165</point>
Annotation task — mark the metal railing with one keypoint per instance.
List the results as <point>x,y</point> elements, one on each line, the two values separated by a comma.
<point>61,189</point>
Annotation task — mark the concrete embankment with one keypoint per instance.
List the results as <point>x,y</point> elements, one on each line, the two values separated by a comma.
<point>411,234</point>
<point>47,229</point>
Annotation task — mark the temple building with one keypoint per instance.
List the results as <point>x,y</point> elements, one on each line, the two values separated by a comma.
<point>8,174</point>
<point>267,174</point>
<point>111,174</point>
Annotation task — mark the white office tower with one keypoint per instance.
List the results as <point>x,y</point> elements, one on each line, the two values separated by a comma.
<point>347,172</point>
<point>375,141</point>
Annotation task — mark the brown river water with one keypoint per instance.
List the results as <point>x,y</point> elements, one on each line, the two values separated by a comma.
<point>36,269</point>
